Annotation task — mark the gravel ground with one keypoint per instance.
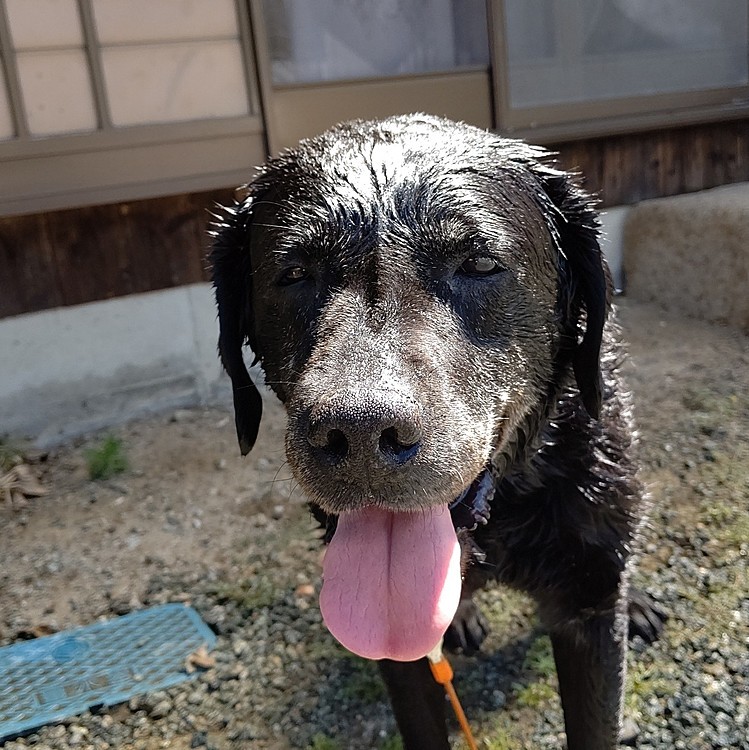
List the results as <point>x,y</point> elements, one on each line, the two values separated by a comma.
<point>191,521</point>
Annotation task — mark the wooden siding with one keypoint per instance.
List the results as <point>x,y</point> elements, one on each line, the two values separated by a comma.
<point>626,169</point>
<point>71,257</point>
<point>99,252</point>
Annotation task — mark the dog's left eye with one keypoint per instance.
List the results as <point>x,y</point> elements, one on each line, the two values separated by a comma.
<point>480,265</point>
<point>293,275</point>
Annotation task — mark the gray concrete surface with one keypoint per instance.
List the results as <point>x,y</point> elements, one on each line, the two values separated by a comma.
<point>690,254</point>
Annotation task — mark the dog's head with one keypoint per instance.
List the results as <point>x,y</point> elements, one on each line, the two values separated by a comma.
<point>411,288</point>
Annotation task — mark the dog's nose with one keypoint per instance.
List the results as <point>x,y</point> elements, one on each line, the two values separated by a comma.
<point>367,432</point>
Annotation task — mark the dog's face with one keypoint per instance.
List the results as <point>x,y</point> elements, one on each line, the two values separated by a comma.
<point>410,288</point>
<point>406,315</point>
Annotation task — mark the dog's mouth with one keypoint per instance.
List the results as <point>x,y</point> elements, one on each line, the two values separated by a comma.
<point>392,579</point>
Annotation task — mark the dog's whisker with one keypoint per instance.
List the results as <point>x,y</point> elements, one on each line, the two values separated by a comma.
<point>278,471</point>
<point>278,481</point>
<point>296,486</point>
<point>267,202</point>
<point>269,226</point>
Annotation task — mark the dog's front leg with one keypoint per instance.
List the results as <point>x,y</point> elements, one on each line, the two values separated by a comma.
<point>418,704</point>
<point>589,657</point>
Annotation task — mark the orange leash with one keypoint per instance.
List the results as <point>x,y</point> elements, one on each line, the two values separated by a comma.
<point>443,674</point>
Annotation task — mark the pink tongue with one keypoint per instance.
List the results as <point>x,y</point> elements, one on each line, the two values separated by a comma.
<point>391,582</point>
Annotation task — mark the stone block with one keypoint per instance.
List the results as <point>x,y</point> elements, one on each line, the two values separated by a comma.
<point>690,254</point>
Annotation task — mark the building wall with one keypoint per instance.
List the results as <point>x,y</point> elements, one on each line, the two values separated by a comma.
<point>70,370</point>
<point>112,115</point>
<point>83,255</point>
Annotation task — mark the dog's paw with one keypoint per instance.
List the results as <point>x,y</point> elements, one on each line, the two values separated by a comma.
<point>646,618</point>
<point>468,629</point>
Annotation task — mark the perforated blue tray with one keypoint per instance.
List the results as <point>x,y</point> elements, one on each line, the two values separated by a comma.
<point>57,676</point>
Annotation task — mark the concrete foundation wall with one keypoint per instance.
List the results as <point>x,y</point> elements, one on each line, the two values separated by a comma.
<point>76,369</point>
<point>612,224</point>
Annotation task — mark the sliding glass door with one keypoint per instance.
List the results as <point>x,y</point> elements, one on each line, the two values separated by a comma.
<point>328,60</point>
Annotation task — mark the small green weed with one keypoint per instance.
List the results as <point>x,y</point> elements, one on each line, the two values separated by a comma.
<point>534,695</point>
<point>644,681</point>
<point>500,740</point>
<point>364,683</point>
<point>107,459</point>
<point>503,731</point>
<point>393,742</point>
<point>249,594</point>
<point>10,455</point>
<point>540,657</point>
<point>323,742</point>
<point>539,660</point>
<point>505,608</point>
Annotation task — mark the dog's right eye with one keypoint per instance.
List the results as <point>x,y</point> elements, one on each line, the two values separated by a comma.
<point>480,265</point>
<point>293,275</point>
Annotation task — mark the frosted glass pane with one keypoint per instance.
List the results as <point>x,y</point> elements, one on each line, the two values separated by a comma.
<point>57,91</point>
<point>589,50</point>
<point>6,121</point>
<point>133,21</point>
<point>326,40</point>
<point>175,82</point>
<point>44,23</point>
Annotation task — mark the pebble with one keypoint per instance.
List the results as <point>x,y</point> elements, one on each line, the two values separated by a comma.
<point>182,415</point>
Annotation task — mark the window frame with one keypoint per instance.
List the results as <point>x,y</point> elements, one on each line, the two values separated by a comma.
<point>120,163</point>
<point>603,117</point>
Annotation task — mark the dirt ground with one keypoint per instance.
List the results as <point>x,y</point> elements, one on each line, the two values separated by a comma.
<point>190,507</point>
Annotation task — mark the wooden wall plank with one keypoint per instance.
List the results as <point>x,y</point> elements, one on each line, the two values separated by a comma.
<point>99,252</point>
<point>28,271</point>
<point>629,168</point>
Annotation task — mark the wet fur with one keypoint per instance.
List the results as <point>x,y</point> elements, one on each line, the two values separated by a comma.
<point>516,371</point>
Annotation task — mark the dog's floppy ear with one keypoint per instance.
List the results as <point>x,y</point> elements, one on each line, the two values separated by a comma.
<point>584,278</point>
<point>231,272</point>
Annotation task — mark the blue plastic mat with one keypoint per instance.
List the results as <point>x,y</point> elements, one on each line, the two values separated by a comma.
<point>60,675</point>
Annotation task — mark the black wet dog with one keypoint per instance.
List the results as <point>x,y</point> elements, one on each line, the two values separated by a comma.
<point>430,303</point>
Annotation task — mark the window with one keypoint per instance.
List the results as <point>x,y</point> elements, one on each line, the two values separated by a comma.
<point>188,65</point>
<point>601,64</point>
<point>103,100</point>
<point>51,67</point>
<point>110,100</point>
<point>337,40</point>
<point>330,60</point>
